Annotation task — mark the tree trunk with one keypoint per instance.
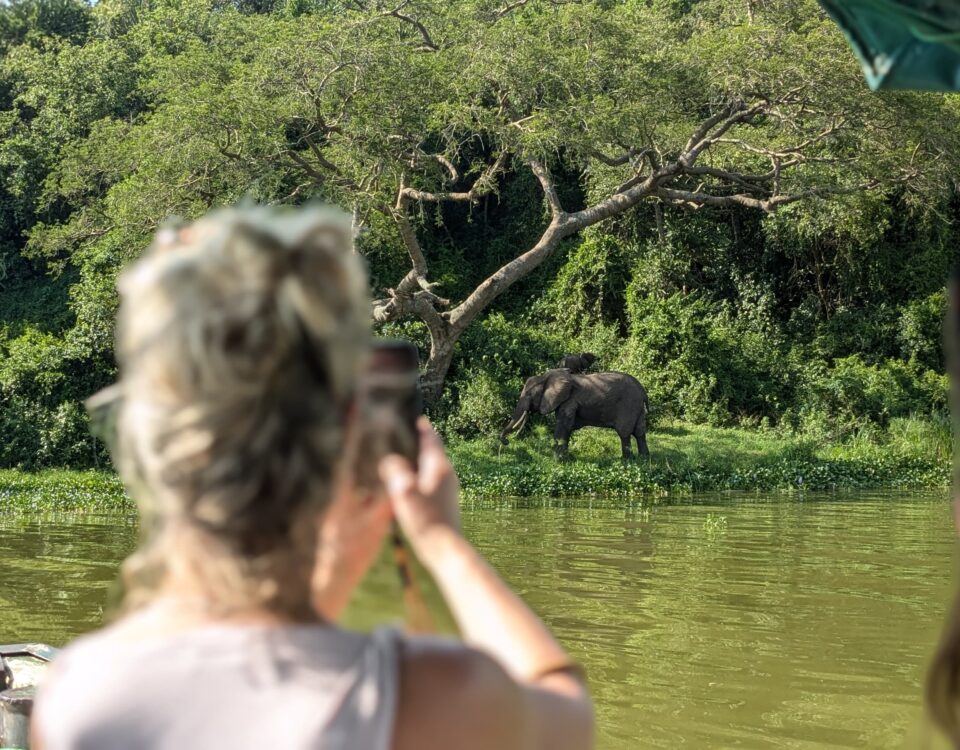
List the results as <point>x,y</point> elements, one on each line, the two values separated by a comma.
<point>438,363</point>
<point>446,331</point>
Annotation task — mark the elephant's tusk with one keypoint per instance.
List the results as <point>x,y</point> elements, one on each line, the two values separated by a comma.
<point>511,425</point>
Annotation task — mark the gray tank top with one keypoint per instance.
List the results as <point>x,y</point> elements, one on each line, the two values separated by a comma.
<point>236,687</point>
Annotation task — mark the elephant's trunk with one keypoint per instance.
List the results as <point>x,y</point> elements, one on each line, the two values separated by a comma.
<point>514,423</point>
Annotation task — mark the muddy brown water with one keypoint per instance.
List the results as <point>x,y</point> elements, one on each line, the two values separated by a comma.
<point>752,622</point>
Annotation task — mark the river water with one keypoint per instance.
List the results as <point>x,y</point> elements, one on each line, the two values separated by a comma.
<point>734,622</point>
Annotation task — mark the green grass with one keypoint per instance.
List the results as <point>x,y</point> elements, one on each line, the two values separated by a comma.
<point>62,490</point>
<point>912,453</point>
<point>693,458</point>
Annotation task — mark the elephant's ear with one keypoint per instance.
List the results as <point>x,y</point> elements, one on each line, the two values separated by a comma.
<point>558,388</point>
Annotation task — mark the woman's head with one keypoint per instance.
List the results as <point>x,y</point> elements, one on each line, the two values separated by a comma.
<point>240,340</point>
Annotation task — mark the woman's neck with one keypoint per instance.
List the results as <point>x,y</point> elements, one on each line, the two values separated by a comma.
<point>201,584</point>
<point>197,609</point>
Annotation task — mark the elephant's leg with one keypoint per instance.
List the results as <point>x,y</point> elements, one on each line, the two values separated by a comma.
<point>640,433</point>
<point>625,445</point>
<point>562,432</point>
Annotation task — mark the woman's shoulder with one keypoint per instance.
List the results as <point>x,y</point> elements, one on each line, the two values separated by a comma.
<point>119,675</point>
<point>129,642</point>
<point>482,705</point>
<point>85,655</point>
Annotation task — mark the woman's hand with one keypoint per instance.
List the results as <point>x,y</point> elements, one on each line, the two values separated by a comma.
<point>351,535</point>
<point>525,679</point>
<point>425,500</point>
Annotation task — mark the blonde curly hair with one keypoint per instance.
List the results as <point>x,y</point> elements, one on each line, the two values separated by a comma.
<point>240,341</point>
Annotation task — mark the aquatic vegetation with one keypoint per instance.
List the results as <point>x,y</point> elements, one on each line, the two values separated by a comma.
<point>55,490</point>
<point>714,524</point>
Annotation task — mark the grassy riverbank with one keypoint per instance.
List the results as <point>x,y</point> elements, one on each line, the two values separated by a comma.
<point>685,459</point>
<point>691,458</point>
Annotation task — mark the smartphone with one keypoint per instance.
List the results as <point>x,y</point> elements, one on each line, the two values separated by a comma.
<point>391,403</point>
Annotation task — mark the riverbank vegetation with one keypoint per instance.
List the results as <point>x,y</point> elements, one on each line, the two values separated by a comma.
<point>688,459</point>
<point>55,490</point>
<point>911,454</point>
<point>704,194</point>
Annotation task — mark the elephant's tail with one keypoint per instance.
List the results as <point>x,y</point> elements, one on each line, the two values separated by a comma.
<point>641,425</point>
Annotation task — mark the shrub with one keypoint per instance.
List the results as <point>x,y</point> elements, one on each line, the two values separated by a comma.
<point>704,362</point>
<point>851,395</point>
<point>920,330</point>
<point>42,417</point>
<point>484,402</point>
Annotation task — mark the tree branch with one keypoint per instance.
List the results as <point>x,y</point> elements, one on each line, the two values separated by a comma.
<point>750,182</point>
<point>629,194</point>
<point>448,165</point>
<point>306,166</point>
<point>789,150</point>
<point>483,185</point>
<point>428,43</point>
<point>697,199</point>
<point>407,233</point>
<point>549,188</point>
<point>495,284</point>
<point>400,303</point>
<point>509,7</point>
<point>708,133</point>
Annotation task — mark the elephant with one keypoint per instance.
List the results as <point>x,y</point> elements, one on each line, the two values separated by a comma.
<point>577,363</point>
<point>601,399</point>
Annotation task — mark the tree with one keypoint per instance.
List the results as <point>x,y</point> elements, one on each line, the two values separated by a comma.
<point>33,21</point>
<point>404,112</point>
<point>698,112</point>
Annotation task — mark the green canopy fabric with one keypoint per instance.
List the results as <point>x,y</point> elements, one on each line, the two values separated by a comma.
<point>903,44</point>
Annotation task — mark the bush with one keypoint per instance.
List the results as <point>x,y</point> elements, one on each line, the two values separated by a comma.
<point>588,289</point>
<point>484,402</point>
<point>703,362</point>
<point>852,395</point>
<point>42,417</point>
<point>496,356</point>
<point>920,330</point>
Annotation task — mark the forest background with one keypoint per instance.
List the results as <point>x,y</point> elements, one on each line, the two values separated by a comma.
<point>704,194</point>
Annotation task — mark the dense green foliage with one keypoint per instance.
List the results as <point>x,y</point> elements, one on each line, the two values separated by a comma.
<point>820,320</point>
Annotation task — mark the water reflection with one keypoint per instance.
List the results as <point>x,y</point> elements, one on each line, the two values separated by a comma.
<point>724,623</point>
<point>57,573</point>
<point>783,624</point>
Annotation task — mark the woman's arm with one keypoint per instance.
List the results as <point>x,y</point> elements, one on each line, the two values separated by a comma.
<point>517,665</point>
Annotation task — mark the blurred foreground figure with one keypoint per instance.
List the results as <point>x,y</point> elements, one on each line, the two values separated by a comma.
<point>943,678</point>
<point>241,342</point>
